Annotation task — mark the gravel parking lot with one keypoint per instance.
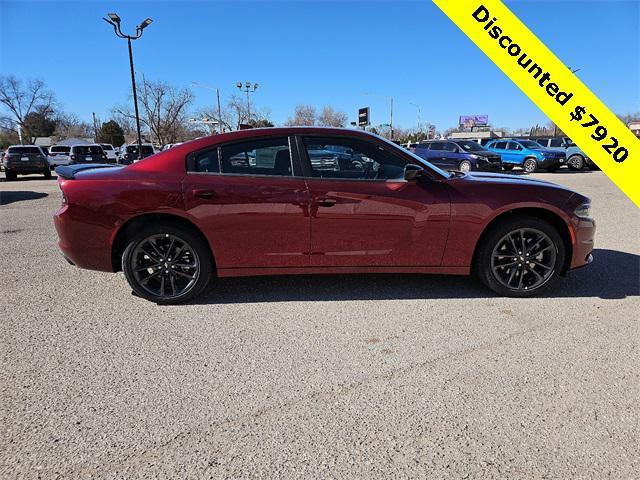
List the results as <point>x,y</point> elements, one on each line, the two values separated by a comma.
<point>328,376</point>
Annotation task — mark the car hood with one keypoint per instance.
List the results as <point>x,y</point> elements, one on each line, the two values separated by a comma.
<point>501,179</point>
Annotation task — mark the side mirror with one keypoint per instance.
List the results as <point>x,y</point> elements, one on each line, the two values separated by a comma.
<point>413,172</point>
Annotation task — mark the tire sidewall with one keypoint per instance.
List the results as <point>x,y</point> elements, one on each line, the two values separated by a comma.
<point>465,162</point>
<point>530,161</point>
<point>201,249</point>
<point>578,157</point>
<point>483,259</point>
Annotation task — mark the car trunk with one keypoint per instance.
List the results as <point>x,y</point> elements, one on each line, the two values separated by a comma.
<point>30,157</point>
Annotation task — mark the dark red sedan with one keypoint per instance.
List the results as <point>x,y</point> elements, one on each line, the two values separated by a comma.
<point>314,200</point>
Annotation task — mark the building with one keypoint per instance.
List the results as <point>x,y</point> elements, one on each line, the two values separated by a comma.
<point>477,135</point>
<point>634,126</point>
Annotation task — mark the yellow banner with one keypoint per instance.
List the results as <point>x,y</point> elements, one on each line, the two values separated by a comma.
<point>552,87</point>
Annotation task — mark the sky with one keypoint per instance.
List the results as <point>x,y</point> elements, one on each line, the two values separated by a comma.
<point>318,53</point>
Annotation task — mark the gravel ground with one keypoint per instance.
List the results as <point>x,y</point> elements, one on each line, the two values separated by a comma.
<point>328,376</point>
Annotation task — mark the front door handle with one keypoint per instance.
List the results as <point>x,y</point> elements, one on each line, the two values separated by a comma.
<point>326,202</point>
<point>206,194</point>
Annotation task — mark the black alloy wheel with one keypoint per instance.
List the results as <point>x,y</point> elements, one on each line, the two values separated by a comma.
<point>520,257</point>
<point>167,265</point>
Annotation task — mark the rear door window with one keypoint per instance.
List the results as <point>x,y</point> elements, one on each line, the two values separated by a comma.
<point>270,156</point>
<point>437,146</point>
<point>500,145</point>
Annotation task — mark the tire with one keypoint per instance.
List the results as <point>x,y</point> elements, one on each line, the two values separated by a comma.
<point>47,174</point>
<point>502,272</point>
<point>530,165</point>
<point>465,166</point>
<point>576,162</point>
<point>11,175</point>
<point>186,276</point>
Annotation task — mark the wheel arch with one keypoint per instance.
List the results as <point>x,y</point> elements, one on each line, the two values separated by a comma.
<point>545,214</point>
<point>131,226</point>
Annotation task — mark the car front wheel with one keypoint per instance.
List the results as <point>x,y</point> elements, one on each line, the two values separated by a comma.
<point>520,257</point>
<point>167,264</point>
<point>465,166</point>
<point>575,162</point>
<point>530,165</point>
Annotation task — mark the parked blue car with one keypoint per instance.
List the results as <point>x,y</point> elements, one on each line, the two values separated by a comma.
<point>577,159</point>
<point>527,154</point>
<point>462,155</point>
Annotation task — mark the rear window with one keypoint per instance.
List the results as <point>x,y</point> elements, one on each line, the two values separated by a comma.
<point>146,149</point>
<point>106,147</point>
<point>59,149</point>
<point>88,150</point>
<point>24,150</point>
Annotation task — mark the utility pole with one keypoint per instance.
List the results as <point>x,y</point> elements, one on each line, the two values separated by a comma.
<point>95,127</point>
<point>217,90</point>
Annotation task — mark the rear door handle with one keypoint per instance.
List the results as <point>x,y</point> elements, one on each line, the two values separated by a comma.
<point>206,194</point>
<point>326,202</point>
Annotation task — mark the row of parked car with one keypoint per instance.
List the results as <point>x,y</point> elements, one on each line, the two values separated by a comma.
<point>30,159</point>
<point>550,153</point>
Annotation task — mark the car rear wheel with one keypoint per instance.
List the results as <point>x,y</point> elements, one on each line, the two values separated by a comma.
<point>167,264</point>
<point>465,166</point>
<point>530,165</point>
<point>575,162</point>
<point>47,173</point>
<point>521,257</point>
<point>11,175</point>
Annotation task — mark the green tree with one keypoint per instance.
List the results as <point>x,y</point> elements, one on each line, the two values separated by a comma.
<point>111,132</point>
<point>38,124</point>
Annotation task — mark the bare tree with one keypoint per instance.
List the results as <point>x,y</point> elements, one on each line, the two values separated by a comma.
<point>332,118</point>
<point>303,115</point>
<point>70,126</point>
<point>164,110</point>
<point>19,99</point>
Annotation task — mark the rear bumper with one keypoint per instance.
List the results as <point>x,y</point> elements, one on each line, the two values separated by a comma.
<point>25,167</point>
<point>82,242</point>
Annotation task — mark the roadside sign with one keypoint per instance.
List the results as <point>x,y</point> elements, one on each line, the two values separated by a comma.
<point>363,117</point>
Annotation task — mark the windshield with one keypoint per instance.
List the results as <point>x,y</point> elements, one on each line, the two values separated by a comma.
<point>530,144</point>
<point>419,160</point>
<point>106,146</point>
<point>470,146</point>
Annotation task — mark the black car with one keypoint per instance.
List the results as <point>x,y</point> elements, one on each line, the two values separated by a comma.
<point>129,153</point>
<point>87,154</point>
<point>24,160</point>
<point>463,155</point>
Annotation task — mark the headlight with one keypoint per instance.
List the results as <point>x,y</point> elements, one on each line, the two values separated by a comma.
<point>583,211</point>
<point>474,157</point>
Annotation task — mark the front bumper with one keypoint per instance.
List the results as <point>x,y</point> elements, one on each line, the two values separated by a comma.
<point>583,233</point>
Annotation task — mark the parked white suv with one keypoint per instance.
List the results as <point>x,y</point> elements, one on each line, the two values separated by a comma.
<point>109,151</point>
<point>59,155</point>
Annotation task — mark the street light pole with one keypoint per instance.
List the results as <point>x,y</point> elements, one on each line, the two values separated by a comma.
<point>114,21</point>
<point>247,89</point>
<point>220,124</point>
